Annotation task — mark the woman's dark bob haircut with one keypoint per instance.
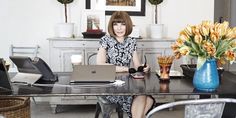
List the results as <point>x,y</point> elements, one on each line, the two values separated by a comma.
<point>120,17</point>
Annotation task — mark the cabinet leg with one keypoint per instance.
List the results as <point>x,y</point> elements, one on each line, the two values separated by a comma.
<point>54,109</point>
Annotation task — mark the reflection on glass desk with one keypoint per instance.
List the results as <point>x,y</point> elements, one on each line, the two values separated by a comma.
<point>148,86</point>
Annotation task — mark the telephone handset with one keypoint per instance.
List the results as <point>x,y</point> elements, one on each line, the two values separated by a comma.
<point>44,69</point>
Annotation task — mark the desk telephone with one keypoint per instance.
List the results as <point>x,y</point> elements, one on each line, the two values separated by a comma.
<point>36,65</point>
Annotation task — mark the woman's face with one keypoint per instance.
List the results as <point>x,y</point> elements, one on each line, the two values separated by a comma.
<point>119,29</point>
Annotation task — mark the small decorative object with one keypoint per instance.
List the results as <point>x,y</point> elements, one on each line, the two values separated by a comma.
<point>189,70</point>
<point>76,59</point>
<point>156,30</point>
<point>165,63</point>
<point>209,42</point>
<point>93,24</point>
<point>206,78</point>
<point>65,29</point>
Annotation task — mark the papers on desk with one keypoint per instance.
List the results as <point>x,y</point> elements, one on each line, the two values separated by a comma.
<point>96,85</point>
<point>119,83</point>
<point>25,78</point>
<point>173,73</point>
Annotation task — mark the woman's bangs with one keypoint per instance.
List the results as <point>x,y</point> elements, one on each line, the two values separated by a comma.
<point>119,20</point>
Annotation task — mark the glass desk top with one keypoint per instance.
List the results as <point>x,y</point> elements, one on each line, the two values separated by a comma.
<point>150,85</point>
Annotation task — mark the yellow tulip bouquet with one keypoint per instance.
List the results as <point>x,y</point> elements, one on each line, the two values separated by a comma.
<point>207,40</point>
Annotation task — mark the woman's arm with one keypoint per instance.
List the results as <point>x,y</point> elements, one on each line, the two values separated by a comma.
<point>136,60</point>
<point>101,57</point>
<point>101,60</point>
<point>137,63</point>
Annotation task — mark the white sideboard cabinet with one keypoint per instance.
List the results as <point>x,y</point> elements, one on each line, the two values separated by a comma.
<point>61,49</point>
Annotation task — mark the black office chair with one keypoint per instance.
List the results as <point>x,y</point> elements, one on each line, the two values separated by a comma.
<point>106,108</point>
<point>103,106</point>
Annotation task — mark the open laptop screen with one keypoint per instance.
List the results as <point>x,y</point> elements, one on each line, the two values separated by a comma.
<point>93,73</point>
<point>4,77</point>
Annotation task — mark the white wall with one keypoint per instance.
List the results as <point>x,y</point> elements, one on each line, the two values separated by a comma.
<point>26,22</point>
<point>220,10</point>
<point>233,14</point>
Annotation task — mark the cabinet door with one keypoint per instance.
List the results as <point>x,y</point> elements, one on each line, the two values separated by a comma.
<point>66,59</point>
<point>151,55</point>
<point>54,59</point>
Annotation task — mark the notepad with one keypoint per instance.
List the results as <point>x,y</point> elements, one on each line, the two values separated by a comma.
<point>173,73</point>
<point>26,78</point>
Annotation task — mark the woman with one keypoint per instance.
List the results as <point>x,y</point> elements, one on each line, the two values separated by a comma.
<point>119,49</point>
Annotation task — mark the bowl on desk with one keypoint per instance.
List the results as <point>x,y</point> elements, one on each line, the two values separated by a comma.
<point>189,69</point>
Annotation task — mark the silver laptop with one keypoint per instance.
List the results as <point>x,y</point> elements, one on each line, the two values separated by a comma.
<point>93,74</point>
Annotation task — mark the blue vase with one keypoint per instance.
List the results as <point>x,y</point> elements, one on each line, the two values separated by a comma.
<point>206,78</point>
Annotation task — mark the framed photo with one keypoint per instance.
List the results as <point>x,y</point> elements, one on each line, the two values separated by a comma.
<point>93,21</point>
<point>132,7</point>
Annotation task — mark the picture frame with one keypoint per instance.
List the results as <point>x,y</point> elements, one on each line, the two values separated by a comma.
<point>93,20</point>
<point>133,7</point>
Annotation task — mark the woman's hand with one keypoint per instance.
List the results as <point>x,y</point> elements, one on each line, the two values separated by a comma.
<point>146,69</point>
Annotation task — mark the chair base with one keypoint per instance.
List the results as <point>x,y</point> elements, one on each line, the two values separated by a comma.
<point>106,108</point>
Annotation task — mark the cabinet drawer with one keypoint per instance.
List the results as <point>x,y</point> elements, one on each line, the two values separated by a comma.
<point>164,98</point>
<point>72,98</point>
<point>69,44</point>
<point>91,97</point>
<point>92,44</point>
<point>57,100</point>
<point>154,44</point>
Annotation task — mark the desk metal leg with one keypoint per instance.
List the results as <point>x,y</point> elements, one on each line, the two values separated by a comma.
<point>119,112</point>
<point>98,110</point>
<point>34,100</point>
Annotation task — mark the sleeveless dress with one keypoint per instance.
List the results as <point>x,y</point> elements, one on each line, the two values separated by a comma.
<point>119,54</point>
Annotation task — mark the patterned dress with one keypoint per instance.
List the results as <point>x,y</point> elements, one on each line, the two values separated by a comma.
<point>119,54</point>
